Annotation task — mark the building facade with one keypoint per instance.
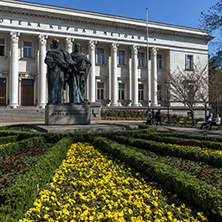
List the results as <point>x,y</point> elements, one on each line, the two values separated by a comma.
<point>116,47</point>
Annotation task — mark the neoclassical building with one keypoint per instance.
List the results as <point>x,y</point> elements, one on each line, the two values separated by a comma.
<point>121,75</point>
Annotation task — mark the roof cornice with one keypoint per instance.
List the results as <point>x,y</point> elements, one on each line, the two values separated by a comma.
<point>99,19</point>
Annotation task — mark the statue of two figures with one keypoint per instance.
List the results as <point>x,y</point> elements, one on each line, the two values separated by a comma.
<point>64,67</point>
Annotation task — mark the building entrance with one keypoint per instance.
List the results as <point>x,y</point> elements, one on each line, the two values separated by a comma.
<point>27,92</point>
<point>2,92</point>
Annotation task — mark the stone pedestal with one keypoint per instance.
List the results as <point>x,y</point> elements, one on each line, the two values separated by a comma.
<point>67,114</point>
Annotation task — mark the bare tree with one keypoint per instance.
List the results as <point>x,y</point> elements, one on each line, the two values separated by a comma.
<point>187,87</point>
<point>213,19</point>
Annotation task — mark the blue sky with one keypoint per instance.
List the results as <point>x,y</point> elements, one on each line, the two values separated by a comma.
<point>176,12</point>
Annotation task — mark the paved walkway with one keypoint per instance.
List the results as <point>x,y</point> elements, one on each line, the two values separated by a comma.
<point>134,124</point>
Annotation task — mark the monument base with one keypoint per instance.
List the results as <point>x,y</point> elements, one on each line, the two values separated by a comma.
<point>67,114</point>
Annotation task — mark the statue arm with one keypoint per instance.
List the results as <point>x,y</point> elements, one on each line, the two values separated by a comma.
<point>49,60</point>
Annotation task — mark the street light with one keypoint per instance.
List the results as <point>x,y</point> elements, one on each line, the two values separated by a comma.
<point>168,104</point>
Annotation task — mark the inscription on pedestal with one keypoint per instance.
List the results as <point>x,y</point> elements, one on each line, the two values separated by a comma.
<point>67,114</point>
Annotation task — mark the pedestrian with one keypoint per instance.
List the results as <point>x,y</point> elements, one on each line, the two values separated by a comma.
<point>158,117</point>
<point>153,116</point>
<point>149,117</point>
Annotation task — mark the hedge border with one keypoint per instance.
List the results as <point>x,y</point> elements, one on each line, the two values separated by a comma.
<point>195,191</point>
<point>21,195</point>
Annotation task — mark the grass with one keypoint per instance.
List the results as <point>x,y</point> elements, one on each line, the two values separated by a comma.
<point>18,127</point>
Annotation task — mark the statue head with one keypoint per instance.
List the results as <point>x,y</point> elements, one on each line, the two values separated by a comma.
<point>55,43</point>
<point>77,47</point>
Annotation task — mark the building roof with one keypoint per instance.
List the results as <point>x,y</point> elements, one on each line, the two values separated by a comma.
<point>99,19</point>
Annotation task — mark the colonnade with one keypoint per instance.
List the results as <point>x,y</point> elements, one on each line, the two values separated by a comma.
<point>42,85</point>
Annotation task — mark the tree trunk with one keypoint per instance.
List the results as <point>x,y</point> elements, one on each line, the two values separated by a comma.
<point>205,108</point>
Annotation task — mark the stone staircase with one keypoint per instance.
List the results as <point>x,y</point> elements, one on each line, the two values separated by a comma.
<point>23,114</point>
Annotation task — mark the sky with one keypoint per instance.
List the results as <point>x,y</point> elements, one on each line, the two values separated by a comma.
<point>176,12</point>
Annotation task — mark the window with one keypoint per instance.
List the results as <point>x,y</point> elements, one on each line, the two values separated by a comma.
<point>121,91</point>
<point>140,59</point>
<point>2,47</point>
<point>100,56</point>
<point>141,92</point>
<point>121,55</point>
<point>100,90</point>
<point>159,61</point>
<point>189,62</point>
<point>27,49</point>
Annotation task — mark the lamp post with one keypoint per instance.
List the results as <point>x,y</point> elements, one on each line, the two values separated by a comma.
<point>147,59</point>
<point>168,104</point>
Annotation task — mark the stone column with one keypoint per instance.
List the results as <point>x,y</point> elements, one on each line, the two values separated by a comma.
<point>92,76</point>
<point>69,49</point>
<point>154,77</point>
<point>135,75</point>
<point>42,91</point>
<point>114,92</point>
<point>13,94</point>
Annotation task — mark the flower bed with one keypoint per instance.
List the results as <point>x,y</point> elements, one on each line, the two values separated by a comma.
<point>90,186</point>
<point>193,190</point>
<point>208,156</point>
<point>180,141</point>
<point>21,194</point>
<point>19,162</point>
<point>210,174</point>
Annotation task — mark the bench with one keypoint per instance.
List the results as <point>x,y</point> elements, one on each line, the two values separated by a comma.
<point>216,126</point>
<point>189,122</point>
<point>173,122</point>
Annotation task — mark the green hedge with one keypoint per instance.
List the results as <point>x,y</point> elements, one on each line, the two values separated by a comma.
<point>181,141</point>
<point>123,113</point>
<point>6,150</point>
<point>21,195</point>
<point>165,149</point>
<point>8,139</point>
<point>192,136</point>
<point>195,191</point>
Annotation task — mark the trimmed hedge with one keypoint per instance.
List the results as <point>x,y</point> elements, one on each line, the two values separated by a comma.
<point>6,150</point>
<point>181,141</point>
<point>195,191</point>
<point>192,136</point>
<point>20,196</point>
<point>165,149</point>
<point>8,139</point>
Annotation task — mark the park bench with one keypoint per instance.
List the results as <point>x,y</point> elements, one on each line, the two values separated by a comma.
<point>216,126</point>
<point>172,122</point>
<point>189,122</point>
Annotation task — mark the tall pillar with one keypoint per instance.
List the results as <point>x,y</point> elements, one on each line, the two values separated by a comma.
<point>69,49</point>
<point>42,72</point>
<point>154,77</point>
<point>92,76</point>
<point>114,92</point>
<point>135,75</point>
<point>13,95</point>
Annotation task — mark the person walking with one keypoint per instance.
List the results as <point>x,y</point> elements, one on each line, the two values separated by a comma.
<point>149,117</point>
<point>158,117</point>
<point>153,116</point>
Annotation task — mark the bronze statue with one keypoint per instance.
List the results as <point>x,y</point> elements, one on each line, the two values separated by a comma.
<point>56,60</point>
<point>78,71</point>
<point>65,67</point>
